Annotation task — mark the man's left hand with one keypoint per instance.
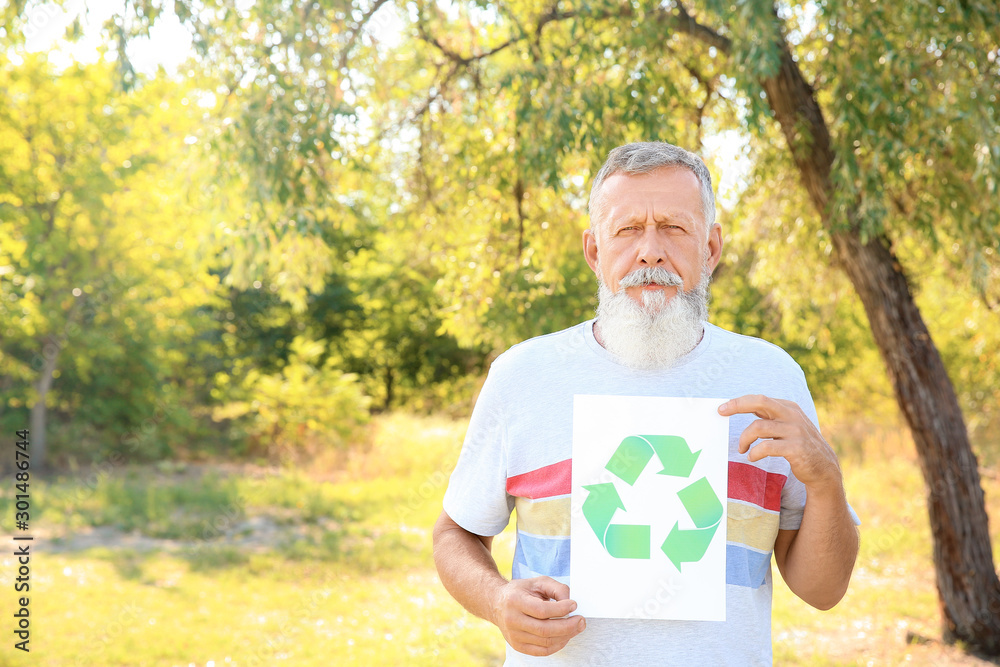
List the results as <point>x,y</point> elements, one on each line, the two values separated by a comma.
<point>784,430</point>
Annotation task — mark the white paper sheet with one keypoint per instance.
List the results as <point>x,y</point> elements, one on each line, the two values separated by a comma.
<point>647,543</point>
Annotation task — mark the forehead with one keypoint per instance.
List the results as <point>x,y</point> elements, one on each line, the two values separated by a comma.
<point>671,191</point>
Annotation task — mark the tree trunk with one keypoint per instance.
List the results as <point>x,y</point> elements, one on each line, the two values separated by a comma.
<point>50,355</point>
<point>967,583</point>
<point>5,384</point>
<point>389,385</point>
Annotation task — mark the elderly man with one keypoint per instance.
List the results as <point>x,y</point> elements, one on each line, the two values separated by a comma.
<point>653,243</point>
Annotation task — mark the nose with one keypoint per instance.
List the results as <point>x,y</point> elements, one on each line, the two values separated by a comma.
<point>651,250</point>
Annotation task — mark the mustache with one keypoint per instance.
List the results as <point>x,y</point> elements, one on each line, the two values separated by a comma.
<point>651,275</point>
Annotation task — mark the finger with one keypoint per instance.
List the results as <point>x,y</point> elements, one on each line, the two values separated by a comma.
<point>549,588</point>
<point>763,449</point>
<point>536,650</point>
<point>526,640</point>
<point>549,631</point>
<point>757,404</point>
<point>538,608</point>
<point>765,429</point>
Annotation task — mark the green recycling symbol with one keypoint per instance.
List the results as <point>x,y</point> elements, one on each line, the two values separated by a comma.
<point>687,545</point>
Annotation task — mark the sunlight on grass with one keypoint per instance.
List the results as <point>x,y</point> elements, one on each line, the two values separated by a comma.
<point>262,566</point>
<point>892,591</point>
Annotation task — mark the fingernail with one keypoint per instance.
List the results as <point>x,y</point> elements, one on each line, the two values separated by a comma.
<point>582,624</point>
<point>573,608</point>
<point>723,406</point>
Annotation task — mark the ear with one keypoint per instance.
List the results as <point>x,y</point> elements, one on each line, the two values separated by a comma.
<point>590,249</point>
<point>714,254</point>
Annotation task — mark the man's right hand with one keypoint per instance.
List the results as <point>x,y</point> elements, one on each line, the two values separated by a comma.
<point>529,613</point>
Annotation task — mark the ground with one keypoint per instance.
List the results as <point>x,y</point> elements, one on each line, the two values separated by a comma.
<point>223,564</point>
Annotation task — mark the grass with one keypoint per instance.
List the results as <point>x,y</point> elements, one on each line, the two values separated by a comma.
<point>892,597</point>
<point>344,568</point>
<point>223,565</point>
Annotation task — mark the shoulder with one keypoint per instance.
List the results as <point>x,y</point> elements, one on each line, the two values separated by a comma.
<point>748,349</point>
<point>755,366</point>
<point>540,350</point>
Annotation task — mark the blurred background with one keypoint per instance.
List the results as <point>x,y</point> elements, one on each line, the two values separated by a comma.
<point>256,259</point>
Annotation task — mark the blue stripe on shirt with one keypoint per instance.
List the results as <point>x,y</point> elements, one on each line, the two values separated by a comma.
<point>746,567</point>
<point>548,556</point>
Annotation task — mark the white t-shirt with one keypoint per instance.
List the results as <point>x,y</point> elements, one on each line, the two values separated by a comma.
<point>517,454</point>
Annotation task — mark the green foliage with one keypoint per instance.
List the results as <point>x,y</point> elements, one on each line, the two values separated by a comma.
<point>329,216</point>
<point>309,403</point>
<point>782,255</point>
<point>916,141</point>
<point>520,103</point>
<point>84,283</point>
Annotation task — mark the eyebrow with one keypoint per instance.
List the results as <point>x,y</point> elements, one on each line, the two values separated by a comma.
<point>659,217</point>
<point>680,215</point>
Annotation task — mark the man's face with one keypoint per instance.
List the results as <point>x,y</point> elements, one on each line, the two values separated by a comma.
<point>652,220</point>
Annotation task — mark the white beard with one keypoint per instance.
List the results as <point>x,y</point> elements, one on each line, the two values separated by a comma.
<point>660,331</point>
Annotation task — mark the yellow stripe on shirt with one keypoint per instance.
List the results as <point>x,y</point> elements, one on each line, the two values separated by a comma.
<point>548,518</point>
<point>752,526</point>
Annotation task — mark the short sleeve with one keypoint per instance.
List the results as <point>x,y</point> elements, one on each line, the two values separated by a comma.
<point>793,503</point>
<point>476,498</point>
<point>793,494</point>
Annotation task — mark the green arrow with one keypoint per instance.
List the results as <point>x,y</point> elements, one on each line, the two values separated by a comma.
<point>687,546</point>
<point>701,503</point>
<point>600,505</point>
<point>628,541</point>
<point>630,458</point>
<point>674,454</point>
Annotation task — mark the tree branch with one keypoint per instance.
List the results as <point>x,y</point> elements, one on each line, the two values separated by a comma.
<point>551,15</point>
<point>345,53</point>
<point>457,58</point>
<point>682,21</point>
<point>678,19</point>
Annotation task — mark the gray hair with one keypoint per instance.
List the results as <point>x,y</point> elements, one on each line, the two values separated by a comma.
<point>646,156</point>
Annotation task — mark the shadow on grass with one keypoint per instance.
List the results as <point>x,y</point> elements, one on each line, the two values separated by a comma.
<point>269,524</point>
<point>351,550</point>
<point>197,505</point>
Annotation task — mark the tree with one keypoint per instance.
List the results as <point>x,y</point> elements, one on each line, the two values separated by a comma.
<point>92,236</point>
<point>884,111</point>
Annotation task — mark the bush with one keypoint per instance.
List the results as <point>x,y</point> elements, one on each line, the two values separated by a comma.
<point>305,407</point>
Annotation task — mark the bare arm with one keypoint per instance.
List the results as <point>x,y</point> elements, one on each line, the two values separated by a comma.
<point>816,560</point>
<point>528,611</point>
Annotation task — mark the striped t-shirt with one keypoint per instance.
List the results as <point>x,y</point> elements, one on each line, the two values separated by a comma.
<point>542,502</point>
<point>517,456</point>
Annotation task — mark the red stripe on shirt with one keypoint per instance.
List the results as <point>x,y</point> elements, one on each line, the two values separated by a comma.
<point>545,482</point>
<point>754,485</point>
